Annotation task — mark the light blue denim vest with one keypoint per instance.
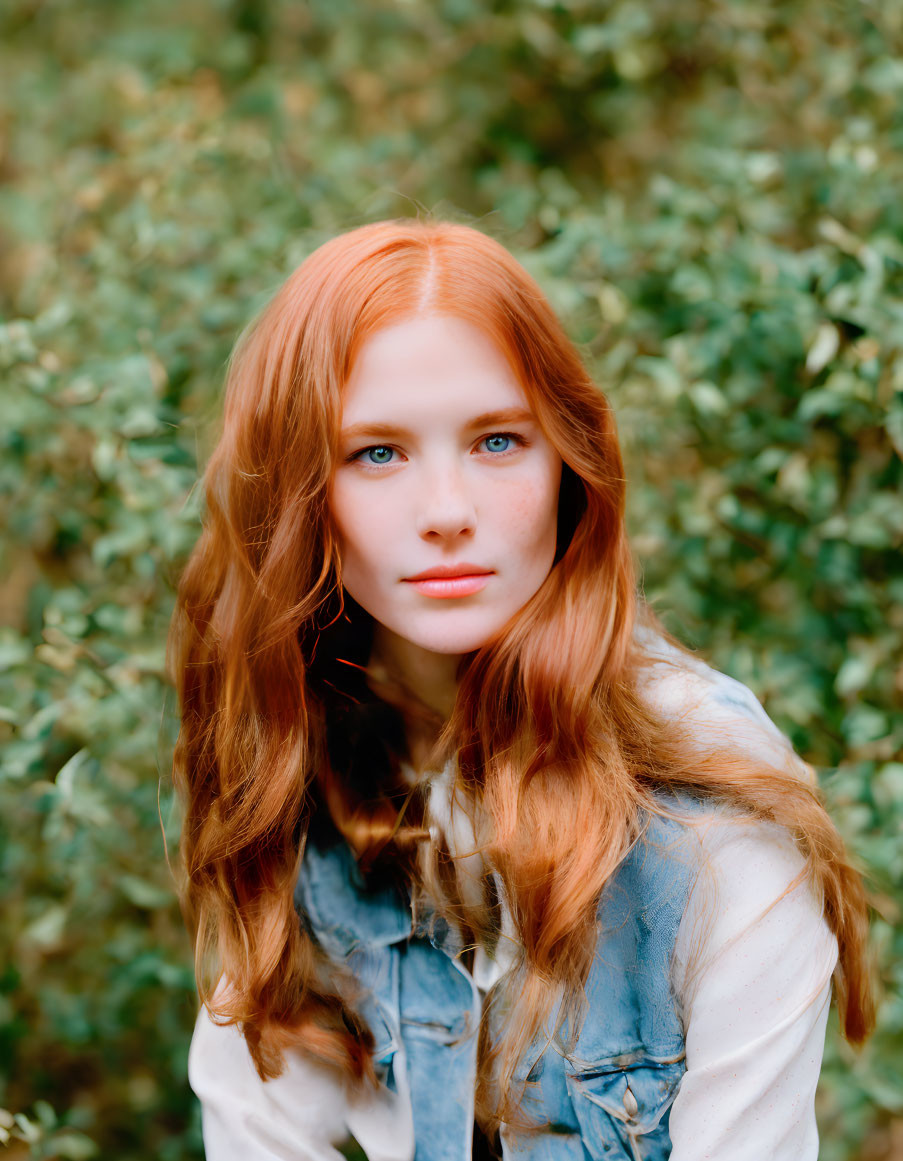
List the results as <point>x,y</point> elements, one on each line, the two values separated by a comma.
<point>611,1097</point>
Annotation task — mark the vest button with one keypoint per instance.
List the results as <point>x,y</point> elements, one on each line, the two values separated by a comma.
<point>630,1105</point>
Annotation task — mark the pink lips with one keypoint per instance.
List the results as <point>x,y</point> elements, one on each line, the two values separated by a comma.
<point>451,580</point>
<point>451,586</point>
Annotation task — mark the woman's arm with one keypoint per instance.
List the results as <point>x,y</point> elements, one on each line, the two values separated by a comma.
<point>753,965</point>
<point>301,1115</point>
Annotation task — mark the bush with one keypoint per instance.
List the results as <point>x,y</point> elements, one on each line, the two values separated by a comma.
<point>710,197</point>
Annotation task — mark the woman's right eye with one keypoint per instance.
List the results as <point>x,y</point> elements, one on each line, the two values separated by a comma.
<point>380,449</point>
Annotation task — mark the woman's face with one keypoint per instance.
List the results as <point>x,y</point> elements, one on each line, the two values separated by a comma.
<point>442,463</point>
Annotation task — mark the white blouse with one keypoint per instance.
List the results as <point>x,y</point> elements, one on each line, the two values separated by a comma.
<point>752,973</point>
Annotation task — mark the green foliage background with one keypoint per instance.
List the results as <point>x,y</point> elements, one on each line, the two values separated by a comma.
<point>710,193</point>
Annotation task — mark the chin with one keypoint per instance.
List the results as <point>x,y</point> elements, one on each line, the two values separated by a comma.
<point>446,638</point>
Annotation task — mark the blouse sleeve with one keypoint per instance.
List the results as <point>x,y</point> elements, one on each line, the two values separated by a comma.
<point>301,1115</point>
<point>753,963</point>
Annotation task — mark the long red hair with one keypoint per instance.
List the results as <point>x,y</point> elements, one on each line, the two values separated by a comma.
<point>549,725</point>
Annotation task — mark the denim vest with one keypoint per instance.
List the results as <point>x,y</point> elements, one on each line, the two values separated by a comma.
<point>611,1097</point>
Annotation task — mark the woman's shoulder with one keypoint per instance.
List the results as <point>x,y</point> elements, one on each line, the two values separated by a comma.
<point>715,707</point>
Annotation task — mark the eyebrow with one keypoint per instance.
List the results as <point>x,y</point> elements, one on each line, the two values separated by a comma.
<point>486,419</point>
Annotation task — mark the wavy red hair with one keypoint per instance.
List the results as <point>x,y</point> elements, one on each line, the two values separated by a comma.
<point>548,725</point>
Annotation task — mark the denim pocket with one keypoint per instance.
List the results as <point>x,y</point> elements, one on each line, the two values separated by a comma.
<point>622,1106</point>
<point>437,1031</point>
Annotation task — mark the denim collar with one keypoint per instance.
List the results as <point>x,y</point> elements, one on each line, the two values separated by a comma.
<point>344,912</point>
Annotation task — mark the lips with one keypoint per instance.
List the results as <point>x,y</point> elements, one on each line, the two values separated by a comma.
<point>445,571</point>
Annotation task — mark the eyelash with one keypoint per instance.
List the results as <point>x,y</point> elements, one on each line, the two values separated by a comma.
<point>356,456</point>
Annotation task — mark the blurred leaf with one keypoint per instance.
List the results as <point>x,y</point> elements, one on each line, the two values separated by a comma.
<point>711,200</point>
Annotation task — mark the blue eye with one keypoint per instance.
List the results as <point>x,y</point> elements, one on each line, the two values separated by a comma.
<point>379,455</point>
<point>378,450</point>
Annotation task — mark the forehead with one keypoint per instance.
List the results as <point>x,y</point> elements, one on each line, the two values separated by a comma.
<point>427,365</point>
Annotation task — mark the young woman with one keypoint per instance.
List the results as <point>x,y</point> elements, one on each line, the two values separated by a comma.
<point>478,858</point>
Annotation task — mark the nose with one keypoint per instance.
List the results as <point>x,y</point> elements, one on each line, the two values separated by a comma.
<point>446,507</point>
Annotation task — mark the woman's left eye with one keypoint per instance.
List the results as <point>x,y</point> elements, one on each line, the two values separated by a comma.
<point>506,436</point>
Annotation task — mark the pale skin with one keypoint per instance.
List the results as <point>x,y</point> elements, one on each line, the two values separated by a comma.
<point>446,486</point>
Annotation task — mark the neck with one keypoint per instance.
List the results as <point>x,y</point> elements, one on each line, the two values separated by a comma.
<point>429,677</point>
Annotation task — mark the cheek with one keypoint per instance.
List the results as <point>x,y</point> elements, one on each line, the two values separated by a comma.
<point>526,510</point>
<point>363,522</point>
